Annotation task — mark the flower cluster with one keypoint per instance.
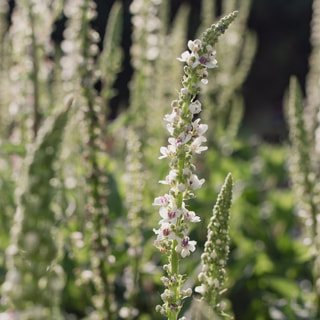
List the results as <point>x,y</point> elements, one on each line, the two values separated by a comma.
<point>145,52</point>
<point>187,138</point>
<point>146,25</point>
<point>79,46</point>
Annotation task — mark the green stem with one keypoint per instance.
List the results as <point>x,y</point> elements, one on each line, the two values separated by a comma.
<point>99,218</point>
<point>94,181</point>
<point>35,76</point>
<point>173,316</point>
<point>174,259</point>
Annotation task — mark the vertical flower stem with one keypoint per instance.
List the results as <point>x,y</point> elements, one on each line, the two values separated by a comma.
<point>186,139</point>
<point>135,183</point>
<point>98,216</point>
<point>174,271</point>
<point>82,60</point>
<point>35,73</point>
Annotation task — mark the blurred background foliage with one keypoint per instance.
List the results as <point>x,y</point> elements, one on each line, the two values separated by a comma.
<point>283,30</point>
<point>269,271</point>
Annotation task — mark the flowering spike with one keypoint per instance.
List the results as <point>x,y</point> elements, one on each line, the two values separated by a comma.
<point>300,162</point>
<point>212,34</point>
<point>34,280</point>
<point>214,258</point>
<point>187,138</point>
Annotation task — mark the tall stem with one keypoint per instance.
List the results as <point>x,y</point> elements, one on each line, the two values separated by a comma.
<point>173,315</point>
<point>35,76</point>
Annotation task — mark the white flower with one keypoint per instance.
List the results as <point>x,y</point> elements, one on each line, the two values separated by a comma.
<point>201,276</point>
<point>191,216</point>
<point>172,117</point>
<point>170,128</point>
<point>194,182</point>
<point>183,138</point>
<point>161,201</point>
<point>201,289</point>
<point>170,177</point>
<point>195,45</point>
<point>196,144</point>
<point>167,151</point>
<point>206,60</point>
<point>169,214</point>
<point>185,57</point>
<point>164,232</point>
<point>204,81</point>
<point>199,129</point>
<point>195,107</point>
<point>185,246</point>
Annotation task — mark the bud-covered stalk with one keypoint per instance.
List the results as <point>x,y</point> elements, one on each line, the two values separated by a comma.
<point>134,178</point>
<point>214,258</point>
<point>187,138</point>
<point>80,73</point>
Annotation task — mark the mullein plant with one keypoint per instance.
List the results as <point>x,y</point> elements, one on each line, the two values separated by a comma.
<point>134,182</point>
<point>312,80</point>
<point>304,125</point>
<point>304,177</point>
<point>214,258</point>
<point>187,137</point>
<point>34,280</point>
<point>29,35</point>
<point>235,54</point>
<point>144,52</point>
<point>80,74</point>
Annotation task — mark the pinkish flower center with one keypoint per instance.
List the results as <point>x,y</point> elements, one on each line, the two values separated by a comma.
<point>163,200</point>
<point>165,232</point>
<point>185,242</point>
<point>171,214</point>
<point>203,60</point>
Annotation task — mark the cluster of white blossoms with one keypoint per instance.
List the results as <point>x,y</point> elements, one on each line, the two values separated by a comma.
<point>187,138</point>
